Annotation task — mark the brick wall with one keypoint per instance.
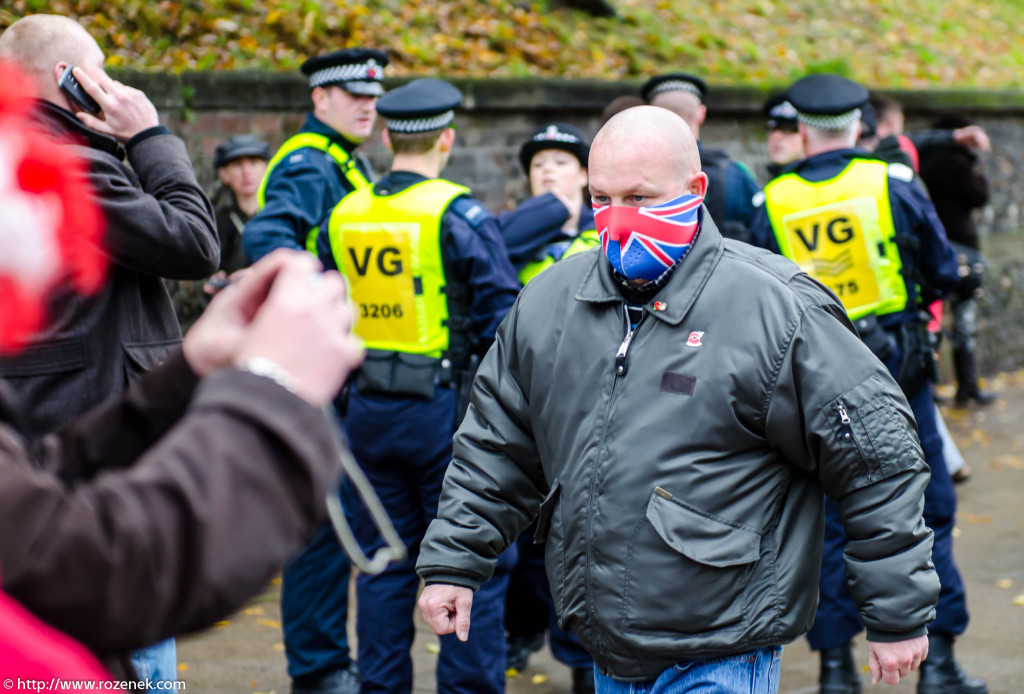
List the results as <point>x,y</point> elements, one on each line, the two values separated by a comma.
<point>498,115</point>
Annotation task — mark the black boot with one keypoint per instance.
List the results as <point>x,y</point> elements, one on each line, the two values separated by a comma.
<point>967,380</point>
<point>583,680</point>
<point>838,671</point>
<point>518,650</point>
<point>941,674</point>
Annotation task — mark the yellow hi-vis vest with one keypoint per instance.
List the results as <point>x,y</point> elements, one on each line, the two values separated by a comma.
<point>389,248</point>
<point>586,240</point>
<point>840,232</point>
<point>323,143</point>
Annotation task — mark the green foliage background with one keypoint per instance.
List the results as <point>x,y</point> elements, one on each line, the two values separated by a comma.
<point>883,43</point>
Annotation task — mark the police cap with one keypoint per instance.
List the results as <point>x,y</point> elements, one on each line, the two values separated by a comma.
<point>356,70</point>
<point>238,146</point>
<point>827,102</point>
<point>779,113</point>
<point>555,136</point>
<point>674,82</point>
<point>419,106</point>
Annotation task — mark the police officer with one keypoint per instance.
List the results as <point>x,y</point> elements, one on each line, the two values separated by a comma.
<point>731,185</point>
<point>317,167</point>
<point>432,281</point>
<point>784,143</point>
<point>307,176</point>
<point>865,230</point>
<point>556,221</point>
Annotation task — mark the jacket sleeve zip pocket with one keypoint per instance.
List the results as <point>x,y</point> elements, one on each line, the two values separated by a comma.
<point>846,428</point>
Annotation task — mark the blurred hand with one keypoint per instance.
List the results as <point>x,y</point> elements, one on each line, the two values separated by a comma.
<point>446,609</point>
<point>973,136</point>
<point>888,662</point>
<point>217,282</point>
<point>213,341</point>
<point>573,201</point>
<point>126,110</point>
<point>304,326</point>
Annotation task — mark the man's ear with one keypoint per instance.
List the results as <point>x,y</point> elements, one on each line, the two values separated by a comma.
<point>58,70</point>
<point>447,139</point>
<point>699,184</point>
<point>318,95</point>
<point>386,139</point>
<point>584,177</point>
<point>222,175</point>
<point>702,113</point>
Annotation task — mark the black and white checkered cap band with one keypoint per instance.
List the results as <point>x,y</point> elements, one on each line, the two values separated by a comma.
<point>839,121</point>
<point>555,136</point>
<point>421,125</point>
<point>353,72</point>
<point>676,86</point>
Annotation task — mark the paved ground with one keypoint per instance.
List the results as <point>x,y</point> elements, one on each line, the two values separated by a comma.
<point>245,655</point>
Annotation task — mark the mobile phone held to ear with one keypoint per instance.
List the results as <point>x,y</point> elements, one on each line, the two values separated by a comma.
<point>70,86</point>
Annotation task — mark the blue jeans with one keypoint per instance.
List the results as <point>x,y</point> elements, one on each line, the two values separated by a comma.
<point>158,662</point>
<point>756,672</point>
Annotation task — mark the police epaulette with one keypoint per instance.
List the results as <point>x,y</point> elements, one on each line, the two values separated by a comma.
<point>470,210</point>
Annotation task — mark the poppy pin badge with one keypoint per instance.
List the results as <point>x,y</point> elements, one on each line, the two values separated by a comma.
<point>694,340</point>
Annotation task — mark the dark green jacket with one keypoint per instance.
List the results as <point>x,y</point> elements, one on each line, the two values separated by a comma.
<point>682,499</point>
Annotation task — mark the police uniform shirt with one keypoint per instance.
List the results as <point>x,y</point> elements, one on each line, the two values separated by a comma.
<point>302,188</point>
<point>537,222</point>
<point>913,215</point>
<point>471,246</point>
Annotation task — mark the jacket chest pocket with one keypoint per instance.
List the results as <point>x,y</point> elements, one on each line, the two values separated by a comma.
<point>687,571</point>
<point>142,357</point>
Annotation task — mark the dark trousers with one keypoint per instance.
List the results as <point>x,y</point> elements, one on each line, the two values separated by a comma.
<point>530,609</point>
<point>404,447</point>
<point>836,621</point>
<point>314,605</point>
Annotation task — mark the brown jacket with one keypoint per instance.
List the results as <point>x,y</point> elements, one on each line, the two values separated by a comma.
<point>161,511</point>
<point>159,223</point>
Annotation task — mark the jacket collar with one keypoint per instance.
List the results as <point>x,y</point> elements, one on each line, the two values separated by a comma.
<point>315,125</point>
<point>63,123</point>
<point>683,286</point>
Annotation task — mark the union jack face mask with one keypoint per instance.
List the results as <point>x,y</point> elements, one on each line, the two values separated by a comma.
<point>643,242</point>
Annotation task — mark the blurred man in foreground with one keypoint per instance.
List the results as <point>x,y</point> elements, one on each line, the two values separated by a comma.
<point>164,509</point>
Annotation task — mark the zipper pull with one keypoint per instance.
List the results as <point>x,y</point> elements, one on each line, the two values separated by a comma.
<point>620,355</point>
<point>844,419</point>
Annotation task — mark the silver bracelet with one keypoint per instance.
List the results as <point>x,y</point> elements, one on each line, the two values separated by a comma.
<point>261,366</point>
